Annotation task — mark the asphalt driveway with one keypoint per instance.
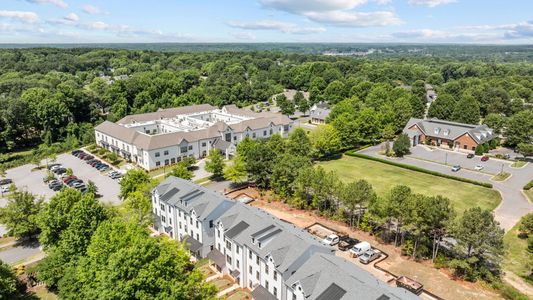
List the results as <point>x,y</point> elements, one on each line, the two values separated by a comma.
<point>514,204</point>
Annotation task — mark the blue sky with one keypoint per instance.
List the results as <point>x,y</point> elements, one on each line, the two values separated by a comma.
<point>417,21</point>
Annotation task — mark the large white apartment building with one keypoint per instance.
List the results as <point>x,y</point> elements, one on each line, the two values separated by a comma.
<point>165,137</point>
<point>272,258</point>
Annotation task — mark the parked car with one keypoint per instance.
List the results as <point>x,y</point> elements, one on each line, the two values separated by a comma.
<point>95,163</point>
<point>60,171</point>
<point>347,243</point>
<point>360,248</point>
<point>54,167</point>
<point>456,168</point>
<point>78,185</point>
<point>484,158</point>
<point>73,182</point>
<point>331,240</point>
<point>76,152</point>
<point>5,181</point>
<point>53,182</point>
<point>87,157</point>
<point>5,189</point>
<point>470,155</point>
<point>507,156</point>
<point>90,161</point>
<point>369,256</point>
<point>50,166</point>
<point>478,167</point>
<point>57,187</point>
<point>68,180</point>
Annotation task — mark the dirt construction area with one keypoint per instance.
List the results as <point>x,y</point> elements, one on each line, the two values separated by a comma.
<point>438,282</point>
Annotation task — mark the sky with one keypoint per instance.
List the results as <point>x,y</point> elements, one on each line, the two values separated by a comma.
<point>198,21</point>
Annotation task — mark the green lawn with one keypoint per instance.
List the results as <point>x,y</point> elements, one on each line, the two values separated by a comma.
<point>516,254</point>
<point>518,164</point>
<point>383,177</point>
<point>501,176</point>
<point>529,194</point>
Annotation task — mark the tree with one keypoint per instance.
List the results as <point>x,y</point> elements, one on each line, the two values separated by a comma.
<point>259,160</point>
<point>8,282</point>
<point>133,180</point>
<point>520,128</point>
<point>298,143</point>
<point>480,239</point>
<point>215,163</point>
<point>466,111</point>
<point>495,121</point>
<point>356,195</point>
<point>526,224</point>
<point>20,214</point>
<point>301,102</point>
<point>92,188</point>
<point>139,207</point>
<point>525,149</point>
<point>122,261</point>
<point>438,216</point>
<point>181,171</point>
<point>402,145</point>
<point>442,108</point>
<point>285,171</point>
<point>236,172</point>
<point>325,140</point>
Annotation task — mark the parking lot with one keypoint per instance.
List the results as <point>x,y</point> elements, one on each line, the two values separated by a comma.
<point>24,177</point>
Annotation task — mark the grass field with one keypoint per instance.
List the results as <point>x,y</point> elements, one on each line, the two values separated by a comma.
<point>383,177</point>
<point>519,164</point>
<point>516,254</point>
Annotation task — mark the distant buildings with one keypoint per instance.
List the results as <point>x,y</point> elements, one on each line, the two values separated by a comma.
<point>451,134</point>
<point>319,112</point>
<point>165,137</point>
<point>272,258</point>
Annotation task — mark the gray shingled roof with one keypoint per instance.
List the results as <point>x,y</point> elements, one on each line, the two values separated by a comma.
<point>320,113</point>
<point>321,271</point>
<point>165,113</point>
<point>451,130</point>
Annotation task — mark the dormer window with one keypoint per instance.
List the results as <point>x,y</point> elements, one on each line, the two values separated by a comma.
<point>446,132</point>
<point>437,130</point>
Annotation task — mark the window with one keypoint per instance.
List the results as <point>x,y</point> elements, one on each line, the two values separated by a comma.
<point>163,219</point>
<point>228,244</point>
<point>253,135</point>
<point>203,144</point>
<point>218,233</point>
<point>173,160</point>
<point>266,285</point>
<point>293,296</point>
<point>235,138</point>
<point>190,220</point>
<point>166,152</point>
<point>285,127</point>
<point>257,275</point>
<point>179,224</point>
<point>197,226</point>
<point>211,224</point>
<point>166,162</point>
<point>275,275</point>
<point>250,269</point>
<point>237,263</point>
<point>228,259</point>
<point>250,254</point>
<point>157,163</point>
<point>170,221</point>
<point>183,149</point>
<point>237,249</point>
<point>190,147</point>
<point>264,132</point>
<point>266,269</point>
<point>197,237</point>
<point>275,292</point>
<point>271,131</point>
<point>162,207</point>
<point>250,285</point>
<point>157,154</point>
<point>257,259</point>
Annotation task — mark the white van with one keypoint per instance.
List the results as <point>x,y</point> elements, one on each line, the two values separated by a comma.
<point>360,248</point>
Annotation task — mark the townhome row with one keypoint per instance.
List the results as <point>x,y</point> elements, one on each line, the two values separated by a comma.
<point>165,137</point>
<point>271,257</point>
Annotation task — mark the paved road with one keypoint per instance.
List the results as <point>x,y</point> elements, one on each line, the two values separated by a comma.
<point>514,204</point>
<point>20,253</point>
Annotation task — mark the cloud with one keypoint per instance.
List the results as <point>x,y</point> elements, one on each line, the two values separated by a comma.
<point>58,3</point>
<point>24,16</point>
<point>383,2</point>
<point>355,19</point>
<point>98,25</point>
<point>431,3</point>
<point>91,9</point>
<point>275,25</point>
<point>72,17</point>
<point>300,6</point>
<point>245,36</point>
<point>335,12</point>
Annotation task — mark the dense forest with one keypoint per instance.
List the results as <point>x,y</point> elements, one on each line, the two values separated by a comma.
<point>52,94</point>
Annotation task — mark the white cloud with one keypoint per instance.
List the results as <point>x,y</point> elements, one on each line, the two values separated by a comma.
<point>335,12</point>
<point>72,17</point>
<point>383,2</point>
<point>355,19</point>
<point>299,6</point>
<point>244,35</point>
<point>91,9</point>
<point>58,3</point>
<point>24,16</point>
<point>275,25</point>
<point>431,3</point>
<point>98,25</point>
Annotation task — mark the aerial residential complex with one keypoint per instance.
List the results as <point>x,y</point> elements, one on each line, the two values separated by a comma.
<point>164,137</point>
<point>272,258</point>
<point>454,135</point>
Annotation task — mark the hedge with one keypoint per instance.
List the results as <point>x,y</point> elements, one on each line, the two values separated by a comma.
<point>529,185</point>
<point>417,169</point>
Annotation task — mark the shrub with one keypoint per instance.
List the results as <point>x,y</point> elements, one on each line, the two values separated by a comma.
<point>413,168</point>
<point>529,185</point>
<point>480,149</point>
